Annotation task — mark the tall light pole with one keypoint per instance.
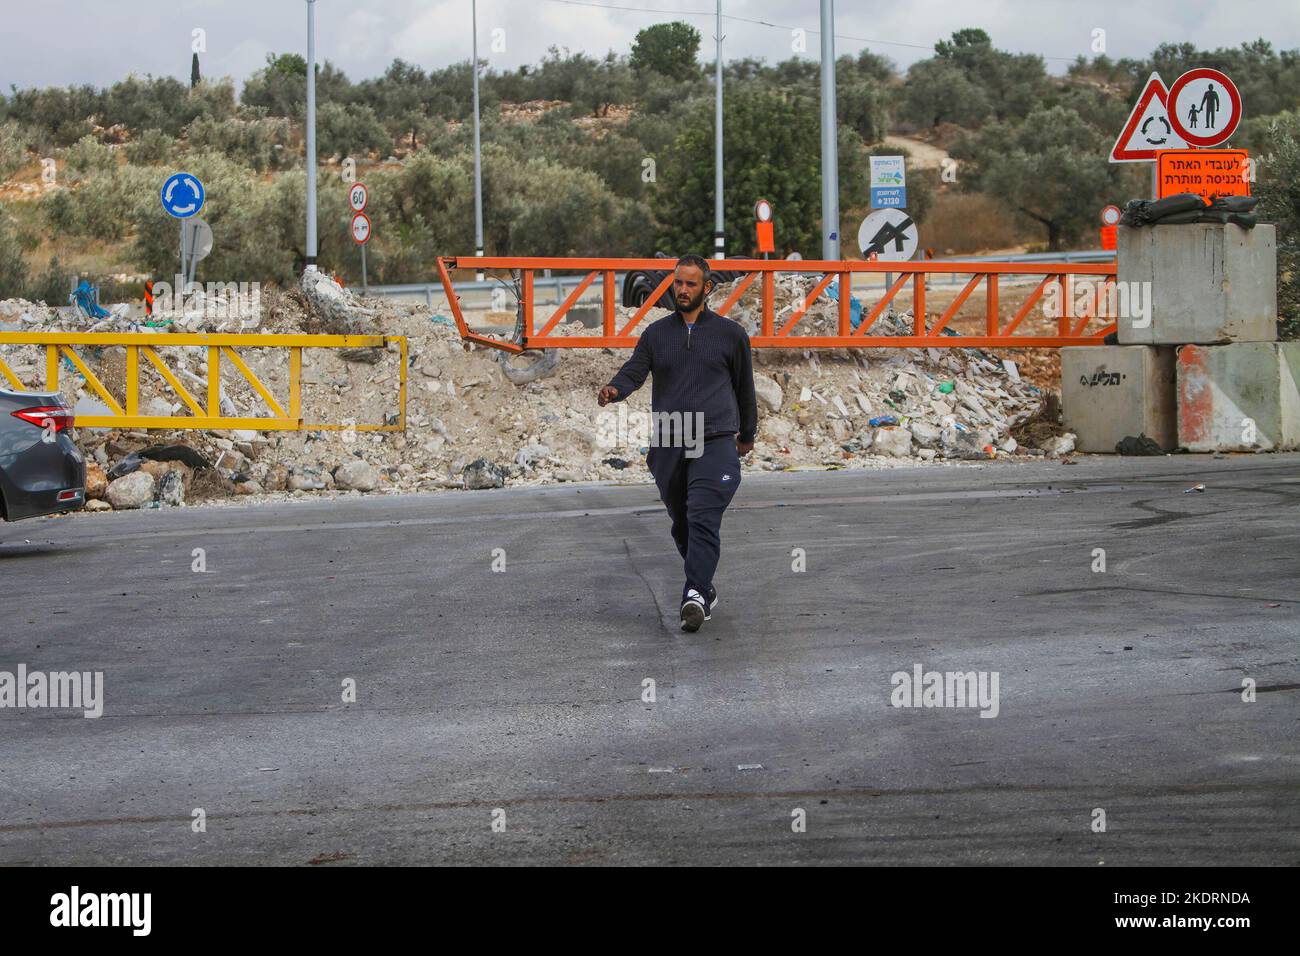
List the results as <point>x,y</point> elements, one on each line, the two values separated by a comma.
<point>719,234</point>
<point>311,135</point>
<point>478,158</point>
<point>830,155</point>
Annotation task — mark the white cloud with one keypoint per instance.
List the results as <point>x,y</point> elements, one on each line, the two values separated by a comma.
<point>69,41</point>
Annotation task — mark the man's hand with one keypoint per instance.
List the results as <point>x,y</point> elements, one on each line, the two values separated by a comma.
<point>607,394</point>
<point>743,448</point>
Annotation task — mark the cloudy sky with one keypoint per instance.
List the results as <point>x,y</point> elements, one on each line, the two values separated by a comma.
<point>57,42</point>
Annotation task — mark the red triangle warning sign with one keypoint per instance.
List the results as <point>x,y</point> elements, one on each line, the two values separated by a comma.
<point>1148,128</point>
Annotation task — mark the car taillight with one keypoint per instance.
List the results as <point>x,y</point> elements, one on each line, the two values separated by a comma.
<point>60,417</point>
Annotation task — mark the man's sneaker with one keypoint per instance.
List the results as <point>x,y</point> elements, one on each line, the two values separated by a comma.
<point>713,602</point>
<point>695,611</point>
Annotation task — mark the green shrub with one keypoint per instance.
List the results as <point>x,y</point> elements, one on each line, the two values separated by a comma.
<point>153,147</point>
<point>259,144</point>
<point>1278,187</point>
<point>14,141</point>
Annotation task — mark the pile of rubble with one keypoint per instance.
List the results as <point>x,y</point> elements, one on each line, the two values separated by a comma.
<point>471,424</point>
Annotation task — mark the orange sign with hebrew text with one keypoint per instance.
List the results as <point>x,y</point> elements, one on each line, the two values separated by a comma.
<point>1207,172</point>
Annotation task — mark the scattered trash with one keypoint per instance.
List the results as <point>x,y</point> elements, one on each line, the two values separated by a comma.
<point>1188,491</point>
<point>480,474</point>
<point>86,298</point>
<point>171,489</point>
<point>1060,446</point>
<point>749,766</point>
<point>880,421</point>
<point>947,387</point>
<point>855,304</point>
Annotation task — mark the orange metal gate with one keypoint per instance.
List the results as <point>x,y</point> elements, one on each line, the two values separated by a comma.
<point>1071,328</point>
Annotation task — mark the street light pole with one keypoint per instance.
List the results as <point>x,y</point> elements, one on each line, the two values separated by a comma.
<point>830,155</point>
<point>478,158</point>
<point>311,135</point>
<point>719,233</point>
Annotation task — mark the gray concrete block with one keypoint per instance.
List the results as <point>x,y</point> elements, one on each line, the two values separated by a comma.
<point>1239,397</point>
<point>1109,392</point>
<point>1204,283</point>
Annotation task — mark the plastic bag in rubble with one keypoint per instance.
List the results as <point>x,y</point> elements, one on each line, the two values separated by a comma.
<point>855,304</point>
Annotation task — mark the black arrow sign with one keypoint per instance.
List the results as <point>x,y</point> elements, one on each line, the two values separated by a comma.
<point>895,232</point>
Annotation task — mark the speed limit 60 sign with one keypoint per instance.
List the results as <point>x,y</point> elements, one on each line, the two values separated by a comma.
<point>357,196</point>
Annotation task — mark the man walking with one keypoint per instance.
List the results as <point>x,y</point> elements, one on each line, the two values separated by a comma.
<point>704,414</point>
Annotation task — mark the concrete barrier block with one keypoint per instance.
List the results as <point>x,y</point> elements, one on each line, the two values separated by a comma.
<point>1201,283</point>
<point>1109,392</point>
<point>1239,397</point>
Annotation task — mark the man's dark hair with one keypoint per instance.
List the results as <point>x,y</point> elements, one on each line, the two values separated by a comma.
<point>691,259</point>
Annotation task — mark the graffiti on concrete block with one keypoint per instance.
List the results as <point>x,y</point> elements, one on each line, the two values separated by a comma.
<point>1102,377</point>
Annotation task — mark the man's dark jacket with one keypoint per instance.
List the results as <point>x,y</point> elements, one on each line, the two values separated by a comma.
<point>705,367</point>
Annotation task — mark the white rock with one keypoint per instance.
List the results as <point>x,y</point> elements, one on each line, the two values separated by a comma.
<point>356,475</point>
<point>130,491</point>
<point>1061,445</point>
<point>768,393</point>
<point>924,434</point>
<point>892,441</point>
<point>301,483</point>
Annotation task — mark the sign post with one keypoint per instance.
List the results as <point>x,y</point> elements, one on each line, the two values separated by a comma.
<point>358,196</point>
<point>1206,172</point>
<point>763,228</point>
<point>889,234</point>
<point>1110,227</point>
<point>888,182</point>
<point>1148,127</point>
<point>199,235</point>
<point>1204,107</point>
<point>361,235</point>
<point>182,197</point>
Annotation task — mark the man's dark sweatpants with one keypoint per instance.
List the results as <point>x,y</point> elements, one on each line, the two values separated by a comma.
<point>696,492</point>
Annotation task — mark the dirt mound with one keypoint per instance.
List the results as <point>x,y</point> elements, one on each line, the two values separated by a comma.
<point>862,408</point>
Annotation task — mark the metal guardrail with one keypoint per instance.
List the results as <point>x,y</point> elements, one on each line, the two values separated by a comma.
<point>1070,327</point>
<point>138,345</point>
<point>561,285</point>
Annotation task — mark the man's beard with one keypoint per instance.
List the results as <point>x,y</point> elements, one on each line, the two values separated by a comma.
<point>692,304</point>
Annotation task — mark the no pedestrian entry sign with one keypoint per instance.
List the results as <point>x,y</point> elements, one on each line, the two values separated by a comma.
<point>1204,107</point>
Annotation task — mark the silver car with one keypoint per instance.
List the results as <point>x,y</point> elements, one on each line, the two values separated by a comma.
<point>41,470</point>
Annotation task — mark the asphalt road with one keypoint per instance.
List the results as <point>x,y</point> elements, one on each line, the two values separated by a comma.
<point>521,691</point>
